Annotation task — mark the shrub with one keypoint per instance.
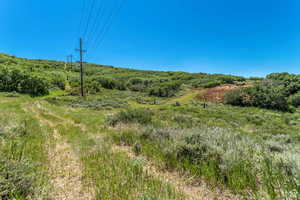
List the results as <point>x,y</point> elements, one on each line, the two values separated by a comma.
<point>15,179</point>
<point>267,94</point>
<point>58,81</point>
<point>110,83</point>
<point>16,80</point>
<point>291,82</point>
<point>92,87</point>
<point>239,97</point>
<point>295,100</point>
<point>74,82</point>
<point>212,84</point>
<point>165,89</point>
<point>253,78</point>
<point>34,86</point>
<point>3,60</point>
<point>138,84</point>
<point>270,95</point>
<point>142,116</point>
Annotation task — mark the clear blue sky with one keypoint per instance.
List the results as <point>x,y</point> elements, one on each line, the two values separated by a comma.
<point>242,37</point>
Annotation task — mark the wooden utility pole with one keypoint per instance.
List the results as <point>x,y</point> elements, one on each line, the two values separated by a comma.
<point>71,60</point>
<point>81,51</point>
<point>67,63</point>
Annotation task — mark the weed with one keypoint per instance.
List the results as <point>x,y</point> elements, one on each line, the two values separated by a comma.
<point>142,116</point>
<point>15,179</point>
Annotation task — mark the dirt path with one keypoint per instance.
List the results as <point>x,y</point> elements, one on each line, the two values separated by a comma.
<point>199,191</point>
<point>65,168</point>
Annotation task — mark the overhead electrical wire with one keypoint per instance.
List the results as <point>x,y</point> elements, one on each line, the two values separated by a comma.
<point>106,26</point>
<point>89,18</point>
<point>96,19</point>
<point>82,16</point>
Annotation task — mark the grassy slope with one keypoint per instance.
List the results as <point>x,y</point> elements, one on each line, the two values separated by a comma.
<point>271,127</point>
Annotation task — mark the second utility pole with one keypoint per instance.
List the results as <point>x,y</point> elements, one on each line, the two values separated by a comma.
<point>81,51</point>
<point>71,61</point>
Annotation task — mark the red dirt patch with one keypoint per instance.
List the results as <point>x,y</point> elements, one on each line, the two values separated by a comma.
<point>216,94</point>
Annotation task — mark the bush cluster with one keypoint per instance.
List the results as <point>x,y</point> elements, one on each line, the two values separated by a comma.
<point>15,179</point>
<point>165,89</point>
<point>142,116</point>
<point>213,80</point>
<point>268,94</point>
<point>295,100</point>
<point>19,81</point>
<point>57,81</point>
<point>139,84</point>
<point>291,82</point>
<point>110,83</point>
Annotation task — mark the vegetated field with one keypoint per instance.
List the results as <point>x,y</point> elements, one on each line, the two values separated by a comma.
<point>146,134</point>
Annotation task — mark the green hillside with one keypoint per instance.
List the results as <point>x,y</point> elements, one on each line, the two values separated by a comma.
<point>146,134</point>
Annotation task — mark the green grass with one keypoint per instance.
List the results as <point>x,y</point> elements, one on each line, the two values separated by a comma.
<point>23,144</point>
<point>273,130</point>
<point>233,168</point>
<point>251,151</point>
<point>113,175</point>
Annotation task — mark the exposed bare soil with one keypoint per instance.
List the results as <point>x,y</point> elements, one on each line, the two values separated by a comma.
<point>216,94</point>
<point>65,167</point>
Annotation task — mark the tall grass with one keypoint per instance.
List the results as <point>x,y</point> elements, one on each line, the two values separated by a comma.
<point>114,175</point>
<point>23,156</point>
<point>221,156</point>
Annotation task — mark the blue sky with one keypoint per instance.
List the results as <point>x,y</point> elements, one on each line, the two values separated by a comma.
<point>249,37</point>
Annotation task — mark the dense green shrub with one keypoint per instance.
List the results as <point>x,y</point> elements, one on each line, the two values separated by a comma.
<point>270,95</point>
<point>3,60</point>
<point>165,89</point>
<point>253,78</point>
<point>212,84</point>
<point>142,116</point>
<point>139,84</point>
<point>267,94</point>
<point>58,81</point>
<point>92,87</point>
<point>110,83</point>
<point>19,81</point>
<point>291,82</point>
<point>213,80</point>
<point>239,97</point>
<point>183,76</point>
<point>34,86</point>
<point>295,100</point>
<point>74,81</point>
<point>106,82</point>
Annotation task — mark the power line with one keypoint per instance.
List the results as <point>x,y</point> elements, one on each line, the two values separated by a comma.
<point>82,16</point>
<point>98,18</point>
<point>98,41</point>
<point>102,22</point>
<point>89,18</point>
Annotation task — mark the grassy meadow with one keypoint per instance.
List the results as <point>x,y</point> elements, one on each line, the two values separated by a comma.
<point>145,135</point>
